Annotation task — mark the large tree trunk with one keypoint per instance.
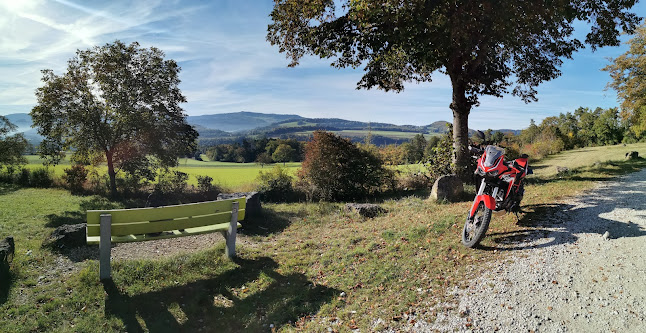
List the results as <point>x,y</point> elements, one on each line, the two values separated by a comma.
<point>112,174</point>
<point>461,108</point>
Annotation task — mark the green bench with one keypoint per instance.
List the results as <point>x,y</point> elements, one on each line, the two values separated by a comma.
<point>105,227</point>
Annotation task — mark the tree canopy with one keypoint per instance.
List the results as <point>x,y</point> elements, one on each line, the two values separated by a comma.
<point>118,104</point>
<point>11,146</point>
<point>628,73</point>
<point>485,47</point>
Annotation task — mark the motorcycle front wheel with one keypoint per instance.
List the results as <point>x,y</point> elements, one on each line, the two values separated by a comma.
<point>475,228</point>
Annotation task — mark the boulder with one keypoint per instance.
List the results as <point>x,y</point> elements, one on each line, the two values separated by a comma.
<point>365,210</point>
<point>632,155</point>
<point>67,236</point>
<point>7,249</point>
<point>560,169</point>
<point>253,208</point>
<point>447,187</point>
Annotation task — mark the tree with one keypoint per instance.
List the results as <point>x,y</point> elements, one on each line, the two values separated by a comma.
<point>263,158</point>
<point>485,47</point>
<point>283,153</point>
<point>628,73</point>
<point>416,148</point>
<point>11,146</point>
<point>117,104</point>
<point>336,169</point>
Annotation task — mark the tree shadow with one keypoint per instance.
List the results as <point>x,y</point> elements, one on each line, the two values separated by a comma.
<point>221,304</point>
<point>595,212</point>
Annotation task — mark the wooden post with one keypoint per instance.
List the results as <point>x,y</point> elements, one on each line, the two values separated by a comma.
<point>232,232</point>
<point>104,246</point>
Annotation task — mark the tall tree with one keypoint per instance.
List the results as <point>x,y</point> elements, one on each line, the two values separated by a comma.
<point>628,73</point>
<point>11,146</point>
<point>118,104</point>
<point>485,47</point>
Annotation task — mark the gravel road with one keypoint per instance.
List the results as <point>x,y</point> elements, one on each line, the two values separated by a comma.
<point>582,270</point>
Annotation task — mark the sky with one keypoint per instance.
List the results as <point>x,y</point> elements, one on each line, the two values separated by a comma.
<point>228,66</point>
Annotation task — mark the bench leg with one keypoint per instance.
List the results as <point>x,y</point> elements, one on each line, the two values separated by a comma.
<point>104,246</point>
<point>232,232</point>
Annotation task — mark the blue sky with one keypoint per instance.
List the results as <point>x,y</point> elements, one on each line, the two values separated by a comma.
<point>227,66</point>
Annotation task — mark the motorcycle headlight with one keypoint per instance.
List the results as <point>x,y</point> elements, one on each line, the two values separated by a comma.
<point>494,173</point>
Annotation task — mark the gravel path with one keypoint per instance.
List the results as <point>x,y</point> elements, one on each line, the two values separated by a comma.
<point>584,270</point>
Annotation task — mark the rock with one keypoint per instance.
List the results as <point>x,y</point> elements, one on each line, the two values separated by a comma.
<point>7,249</point>
<point>67,236</point>
<point>447,187</point>
<point>606,235</point>
<point>560,169</point>
<point>632,155</point>
<point>365,210</point>
<point>253,208</point>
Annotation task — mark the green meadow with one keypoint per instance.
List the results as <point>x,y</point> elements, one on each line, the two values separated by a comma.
<point>232,176</point>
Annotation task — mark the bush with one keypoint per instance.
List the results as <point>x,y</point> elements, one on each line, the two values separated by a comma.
<point>413,181</point>
<point>41,177</point>
<point>206,188</point>
<point>335,169</point>
<point>276,185</point>
<point>75,178</point>
<point>172,183</point>
<point>23,177</point>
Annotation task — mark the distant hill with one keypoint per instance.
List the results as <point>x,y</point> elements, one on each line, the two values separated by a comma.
<point>239,121</point>
<point>232,127</point>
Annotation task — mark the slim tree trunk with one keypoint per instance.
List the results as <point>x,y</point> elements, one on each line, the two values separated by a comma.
<point>461,108</point>
<point>111,174</point>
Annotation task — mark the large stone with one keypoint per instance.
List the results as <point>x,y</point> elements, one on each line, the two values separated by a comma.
<point>7,249</point>
<point>561,170</point>
<point>632,155</point>
<point>68,236</point>
<point>447,188</point>
<point>365,210</point>
<point>253,208</point>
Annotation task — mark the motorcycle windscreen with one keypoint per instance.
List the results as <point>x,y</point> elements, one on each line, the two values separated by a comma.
<point>492,154</point>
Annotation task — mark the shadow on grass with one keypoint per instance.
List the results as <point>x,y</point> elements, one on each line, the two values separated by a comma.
<point>610,170</point>
<point>8,188</point>
<point>220,304</point>
<point>6,279</point>
<point>267,223</point>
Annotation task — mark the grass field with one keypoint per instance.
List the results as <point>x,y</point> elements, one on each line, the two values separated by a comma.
<point>301,266</point>
<point>233,176</point>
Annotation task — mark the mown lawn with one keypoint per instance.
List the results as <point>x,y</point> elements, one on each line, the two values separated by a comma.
<point>232,176</point>
<point>301,266</point>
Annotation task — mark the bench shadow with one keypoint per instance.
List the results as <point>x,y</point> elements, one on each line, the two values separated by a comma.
<point>202,305</point>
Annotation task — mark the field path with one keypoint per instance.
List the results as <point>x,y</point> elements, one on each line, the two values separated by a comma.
<point>582,270</point>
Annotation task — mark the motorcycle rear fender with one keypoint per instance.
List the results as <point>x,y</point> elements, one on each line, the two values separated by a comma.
<point>488,200</point>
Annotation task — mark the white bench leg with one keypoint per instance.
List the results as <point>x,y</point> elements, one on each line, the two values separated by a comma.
<point>232,232</point>
<point>104,246</point>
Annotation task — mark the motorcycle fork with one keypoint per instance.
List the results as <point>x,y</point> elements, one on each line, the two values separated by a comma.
<point>489,200</point>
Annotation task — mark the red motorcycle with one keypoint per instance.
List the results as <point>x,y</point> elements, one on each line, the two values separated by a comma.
<point>501,188</point>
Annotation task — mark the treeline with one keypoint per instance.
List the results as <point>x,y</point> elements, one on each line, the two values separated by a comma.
<point>262,150</point>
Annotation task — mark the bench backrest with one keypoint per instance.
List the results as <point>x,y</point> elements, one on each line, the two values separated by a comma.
<point>165,218</point>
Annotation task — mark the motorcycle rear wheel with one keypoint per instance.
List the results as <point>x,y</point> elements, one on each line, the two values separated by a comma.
<point>475,228</point>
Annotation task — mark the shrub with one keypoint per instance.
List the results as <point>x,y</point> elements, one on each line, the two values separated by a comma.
<point>441,159</point>
<point>412,181</point>
<point>75,178</point>
<point>173,182</point>
<point>23,177</point>
<point>206,188</point>
<point>335,169</point>
<point>41,177</point>
<point>276,185</point>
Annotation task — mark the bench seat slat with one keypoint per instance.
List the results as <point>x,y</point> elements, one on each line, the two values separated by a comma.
<point>123,229</point>
<point>169,234</point>
<point>165,212</point>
